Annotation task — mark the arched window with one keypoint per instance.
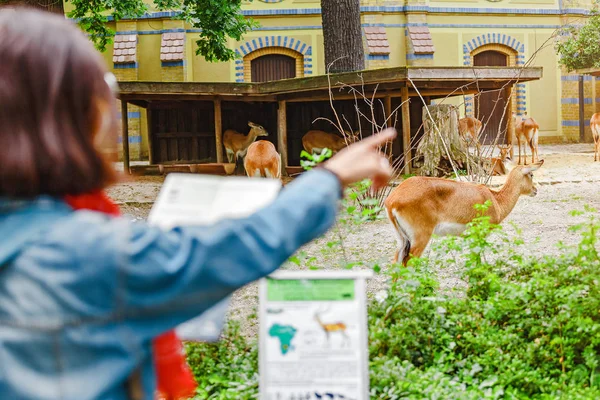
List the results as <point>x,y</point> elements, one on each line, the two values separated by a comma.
<point>272,67</point>
<point>273,63</point>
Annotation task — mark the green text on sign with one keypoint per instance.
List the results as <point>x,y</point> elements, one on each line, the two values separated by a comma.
<point>310,289</point>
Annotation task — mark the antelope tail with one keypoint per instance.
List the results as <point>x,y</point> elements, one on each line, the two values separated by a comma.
<point>402,236</point>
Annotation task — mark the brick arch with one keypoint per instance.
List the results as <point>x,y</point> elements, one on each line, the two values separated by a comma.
<point>503,43</point>
<point>497,38</point>
<point>299,57</point>
<point>276,45</point>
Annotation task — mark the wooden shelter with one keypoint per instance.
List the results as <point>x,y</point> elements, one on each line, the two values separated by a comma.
<point>186,120</point>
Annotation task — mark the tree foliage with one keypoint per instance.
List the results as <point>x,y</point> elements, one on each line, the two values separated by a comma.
<point>579,45</point>
<point>218,20</point>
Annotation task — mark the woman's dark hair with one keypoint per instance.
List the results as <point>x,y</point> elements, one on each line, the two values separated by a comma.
<point>54,101</point>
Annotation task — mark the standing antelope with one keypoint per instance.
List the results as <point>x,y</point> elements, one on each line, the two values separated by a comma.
<point>236,144</point>
<point>421,206</point>
<point>500,164</point>
<point>469,129</point>
<point>595,125</point>
<point>329,328</point>
<point>262,160</point>
<point>316,141</point>
<point>526,132</point>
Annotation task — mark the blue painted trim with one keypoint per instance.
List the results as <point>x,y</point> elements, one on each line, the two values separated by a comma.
<point>419,56</point>
<point>131,115</point>
<point>157,32</point>
<point>575,100</point>
<point>167,64</point>
<point>126,66</point>
<point>132,140</point>
<point>597,99</point>
<point>393,9</point>
<point>378,56</point>
<point>575,78</point>
<point>319,27</point>
<point>574,122</point>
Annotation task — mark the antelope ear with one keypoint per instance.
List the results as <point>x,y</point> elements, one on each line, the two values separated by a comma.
<point>251,124</point>
<point>533,167</point>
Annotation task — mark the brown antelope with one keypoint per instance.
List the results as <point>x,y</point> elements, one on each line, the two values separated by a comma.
<point>526,133</point>
<point>330,328</point>
<point>421,206</point>
<point>316,141</point>
<point>236,144</point>
<point>500,164</point>
<point>469,129</point>
<point>263,160</point>
<point>595,125</point>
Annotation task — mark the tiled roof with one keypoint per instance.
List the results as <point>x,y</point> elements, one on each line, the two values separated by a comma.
<point>125,49</point>
<point>172,46</point>
<point>377,41</point>
<point>421,40</point>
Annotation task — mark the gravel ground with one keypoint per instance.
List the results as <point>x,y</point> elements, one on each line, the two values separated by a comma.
<point>568,180</point>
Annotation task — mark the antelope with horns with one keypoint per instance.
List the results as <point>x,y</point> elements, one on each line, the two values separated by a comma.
<point>329,328</point>
<point>526,133</point>
<point>595,125</point>
<point>502,164</point>
<point>263,160</point>
<point>236,144</point>
<point>421,206</point>
<point>316,141</point>
<point>469,129</point>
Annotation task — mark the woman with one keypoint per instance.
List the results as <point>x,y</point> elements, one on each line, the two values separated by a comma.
<point>83,294</point>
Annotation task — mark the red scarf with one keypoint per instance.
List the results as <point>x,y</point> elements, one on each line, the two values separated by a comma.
<point>174,379</point>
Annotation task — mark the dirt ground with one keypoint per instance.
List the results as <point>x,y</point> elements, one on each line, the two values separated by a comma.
<point>568,180</point>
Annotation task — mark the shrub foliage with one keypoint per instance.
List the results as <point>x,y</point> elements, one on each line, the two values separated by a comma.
<point>527,326</point>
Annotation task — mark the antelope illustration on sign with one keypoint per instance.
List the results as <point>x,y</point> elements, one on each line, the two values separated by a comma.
<point>332,327</point>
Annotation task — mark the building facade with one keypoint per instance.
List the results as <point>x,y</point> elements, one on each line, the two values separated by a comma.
<point>289,43</point>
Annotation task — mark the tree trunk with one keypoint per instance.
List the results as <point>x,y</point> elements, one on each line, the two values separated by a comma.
<point>55,6</point>
<point>344,51</point>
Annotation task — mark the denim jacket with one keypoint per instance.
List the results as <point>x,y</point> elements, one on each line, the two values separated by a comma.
<point>82,294</point>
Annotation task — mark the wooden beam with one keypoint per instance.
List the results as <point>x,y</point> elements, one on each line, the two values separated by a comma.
<point>406,129</point>
<point>282,134</point>
<point>125,136</point>
<point>320,96</point>
<point>430,77</point>
<point>219,130</point>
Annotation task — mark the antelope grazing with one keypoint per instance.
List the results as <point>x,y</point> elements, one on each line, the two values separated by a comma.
<point>421,206</point>
<point>595,125</point>
<point>316,141</point>
<point>500,165</point>
<point>263,160</point>
<point>236,144</point>
<point>469,129</point>
<point>526,132</point>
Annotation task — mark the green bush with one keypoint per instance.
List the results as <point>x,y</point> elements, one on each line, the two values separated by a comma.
<point>527,327</point>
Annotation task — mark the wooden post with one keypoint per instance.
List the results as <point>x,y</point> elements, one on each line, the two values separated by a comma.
<point>387,104</point>
<point>406,130</point>
<point>218,130</point>
<point>581,111</point>
<point>510,126</point>
<point>150,135</point>
<point>282,135</point>
<point>125,135</point>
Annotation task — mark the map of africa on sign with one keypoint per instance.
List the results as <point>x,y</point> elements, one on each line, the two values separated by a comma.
<point>285,334</point>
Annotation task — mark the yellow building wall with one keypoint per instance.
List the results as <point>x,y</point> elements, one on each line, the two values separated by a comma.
<point>453,24</point>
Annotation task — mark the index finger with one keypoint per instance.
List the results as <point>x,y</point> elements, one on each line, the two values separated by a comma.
<point>381,138</point>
